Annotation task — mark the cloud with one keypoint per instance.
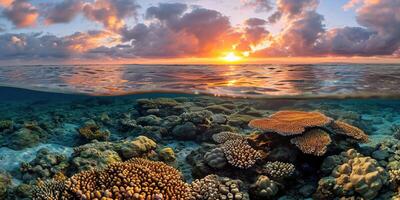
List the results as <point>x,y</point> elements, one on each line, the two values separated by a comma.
<point>38,46</point>
<point>111,13</point>
<point>21,13</point>
<point>258,5</point>
<point>63,12</point>
<point>291,9</point>
<point>6,3</point>
<point>174,31</point>
<point>253,34</point>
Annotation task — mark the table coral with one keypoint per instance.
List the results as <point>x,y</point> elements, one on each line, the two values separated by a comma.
<point>240,154</point>
<point>314,141</point>
<point>344,128</point>
<point>290,122</point>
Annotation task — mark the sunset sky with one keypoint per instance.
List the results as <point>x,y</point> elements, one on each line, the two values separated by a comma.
<point>203,31</point>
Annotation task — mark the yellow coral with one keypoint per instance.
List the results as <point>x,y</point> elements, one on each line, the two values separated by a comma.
<point>344,128</point>
<point>290,122</point>
<point>314,141</point>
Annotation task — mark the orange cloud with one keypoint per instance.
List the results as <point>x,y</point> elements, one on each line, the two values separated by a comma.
<point>6,3</point>
<point>21,13</point>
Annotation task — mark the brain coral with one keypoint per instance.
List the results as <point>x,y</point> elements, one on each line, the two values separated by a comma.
<point>135,179</point>
<point>222,137</point>
<point>290,122</point>
<point>349,130</point>
<point>278,170</point>
<point>213,187</point>
<point>314,141</point>
<point>359,174</point>
<point>240,154</point>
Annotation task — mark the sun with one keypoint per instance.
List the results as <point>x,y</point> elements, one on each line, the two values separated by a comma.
<point>231,57</point>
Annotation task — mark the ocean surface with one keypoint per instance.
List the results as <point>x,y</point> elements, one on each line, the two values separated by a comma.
<point>321,80</point>
<point>321,131</point>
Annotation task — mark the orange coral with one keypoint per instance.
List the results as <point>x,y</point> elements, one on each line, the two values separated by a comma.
<point>290,122</point>
<point>135,179</point>
<point>240,154</point>
<point>314,141</point>
<point>344,128</point>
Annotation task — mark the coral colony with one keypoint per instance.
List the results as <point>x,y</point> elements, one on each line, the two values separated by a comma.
<point>199,148</point>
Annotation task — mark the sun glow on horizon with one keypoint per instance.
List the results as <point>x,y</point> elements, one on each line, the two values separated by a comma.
<point>232,57</point>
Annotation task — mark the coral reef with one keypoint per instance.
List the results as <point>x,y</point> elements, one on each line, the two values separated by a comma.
<point>5,183</point>
<point>225,136</point>
<point>93,157</point>
<point>344,128</point>
<point>290,122</point>
<point>278,170</point>
<point>240,154</point>
<point>91,131</point>
<point>137,148</point>
<point>264,188</point>
<point>134,179</point>
<point>167,154</point>
<point>213,187</point>
<point>314,141</point>
<point>357,176</point>
<point>216,158</point>
<point>44,166</point>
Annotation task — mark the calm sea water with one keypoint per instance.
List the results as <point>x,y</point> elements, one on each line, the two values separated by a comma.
<point>321,80</point>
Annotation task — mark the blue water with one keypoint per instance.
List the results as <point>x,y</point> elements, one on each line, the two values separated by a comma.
<point>52,103</point>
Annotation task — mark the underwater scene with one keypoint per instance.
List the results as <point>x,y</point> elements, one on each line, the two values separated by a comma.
<point>226,132</point>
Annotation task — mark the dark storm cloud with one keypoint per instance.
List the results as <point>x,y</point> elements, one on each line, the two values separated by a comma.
<point>63,12</point>
<point>21,13</point>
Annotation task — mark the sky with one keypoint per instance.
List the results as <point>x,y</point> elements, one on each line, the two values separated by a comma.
<point>190,31</point>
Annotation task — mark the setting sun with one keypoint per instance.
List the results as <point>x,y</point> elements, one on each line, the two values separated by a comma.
<point>232,57</point>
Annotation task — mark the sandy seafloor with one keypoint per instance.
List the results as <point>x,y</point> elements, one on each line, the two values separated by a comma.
<point>42,137</point>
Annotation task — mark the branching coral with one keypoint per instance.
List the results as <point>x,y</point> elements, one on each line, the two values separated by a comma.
<point>344,128</point>
<point>314,141</point>
<point>240,154</point>
<point>134,179</point>
<point>213,187</point>
<point>278,170</point>
<point>290,122</point>
<point>222,137</point>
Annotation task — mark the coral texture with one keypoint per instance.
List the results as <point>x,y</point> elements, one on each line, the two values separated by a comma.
<point>290,122</point>
<point>222,137</point>
<point>213,187</point>
<point>93,132</point>
<point>359,174</point>
<point>264,188</point>
<point>344,128</point>
<point>240,154</point>
<point>314,141</point>
<point>215,158</point>
<point>278,170</point>
<point>135,179</point>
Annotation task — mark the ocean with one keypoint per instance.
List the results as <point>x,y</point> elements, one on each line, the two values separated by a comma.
<point>318,131</point>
